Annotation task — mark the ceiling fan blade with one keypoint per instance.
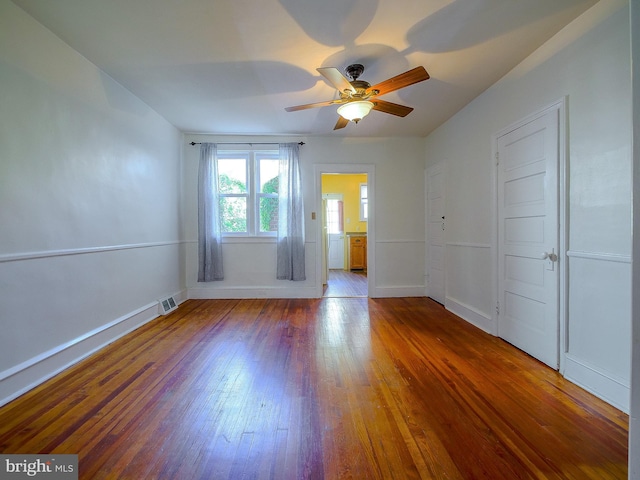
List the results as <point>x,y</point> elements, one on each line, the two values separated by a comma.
<point>336,78</point>
<point>314,105</point>
<point>392,108</point>
<point>342,122</point>
<point>415,75</point>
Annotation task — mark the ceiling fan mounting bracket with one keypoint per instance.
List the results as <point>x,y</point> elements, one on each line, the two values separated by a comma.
<point>354,71</point>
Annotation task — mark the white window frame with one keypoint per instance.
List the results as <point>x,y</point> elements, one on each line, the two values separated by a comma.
<point>253,195</point>
<point>364,203</point>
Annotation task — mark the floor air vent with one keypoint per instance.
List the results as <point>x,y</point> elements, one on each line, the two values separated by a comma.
<point>167,305</point>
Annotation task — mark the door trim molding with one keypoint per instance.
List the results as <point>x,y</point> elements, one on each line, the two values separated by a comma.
<point>560,106</point>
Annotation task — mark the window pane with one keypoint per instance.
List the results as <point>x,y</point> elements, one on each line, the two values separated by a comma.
<point>232,173</point>
<point>268,214</point>
<point>333,216</point>
<point>364,202</point>
<point>234,214</point>
<point>269,175</point>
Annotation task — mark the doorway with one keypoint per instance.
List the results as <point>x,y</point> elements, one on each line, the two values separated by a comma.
<point>346,237</point>
<point>345,213</point>
<point>528,214</point>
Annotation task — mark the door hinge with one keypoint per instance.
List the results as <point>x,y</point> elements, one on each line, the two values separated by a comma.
<point>497,308</point>
<point>497,158</point>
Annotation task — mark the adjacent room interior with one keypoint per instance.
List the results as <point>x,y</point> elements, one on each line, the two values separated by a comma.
<point>345,210</point>
<point>288,227</point>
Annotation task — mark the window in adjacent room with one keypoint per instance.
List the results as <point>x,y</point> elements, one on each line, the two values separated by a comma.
<point>364,203</point>
<point>248,186</point>
<point>334,213</point>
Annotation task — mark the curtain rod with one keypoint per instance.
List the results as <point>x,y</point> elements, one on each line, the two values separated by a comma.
<point>244,143</point>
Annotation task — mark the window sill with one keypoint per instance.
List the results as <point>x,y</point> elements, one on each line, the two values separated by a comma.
<point>249,239</point>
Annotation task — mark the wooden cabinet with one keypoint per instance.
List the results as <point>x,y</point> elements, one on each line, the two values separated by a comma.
<point>357,252</point>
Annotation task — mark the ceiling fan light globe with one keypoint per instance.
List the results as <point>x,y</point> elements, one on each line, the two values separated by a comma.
<point>355,111</point>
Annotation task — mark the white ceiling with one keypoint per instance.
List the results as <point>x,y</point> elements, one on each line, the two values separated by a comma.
<point>232,66</point>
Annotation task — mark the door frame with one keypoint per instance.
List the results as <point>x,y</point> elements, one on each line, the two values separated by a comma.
<point>560,106</point>
<point>348,168</point>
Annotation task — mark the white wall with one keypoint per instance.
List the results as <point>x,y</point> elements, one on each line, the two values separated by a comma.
<point>89,204</point>
<point>399,220</point>
<point>588,62</point>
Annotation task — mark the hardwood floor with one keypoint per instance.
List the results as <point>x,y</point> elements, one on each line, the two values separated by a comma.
<point>343,283</point>
<point>322,388</point>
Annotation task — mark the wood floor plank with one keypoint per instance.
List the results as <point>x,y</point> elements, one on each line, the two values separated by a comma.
<point>317,388</point>
<point>343,283</point>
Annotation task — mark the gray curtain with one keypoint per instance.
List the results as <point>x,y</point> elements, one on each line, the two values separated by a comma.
<point>290,261</point>
<point>209,220</point>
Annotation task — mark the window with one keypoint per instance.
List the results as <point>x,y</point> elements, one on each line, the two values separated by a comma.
<point>334,213</point>
<point>248,189</point>
<point>364,203</point>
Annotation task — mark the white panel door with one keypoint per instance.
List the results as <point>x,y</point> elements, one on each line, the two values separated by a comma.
<point>528,238</point>
<point>435,232</point>
<point>332,206</point>
<point>336,251</point>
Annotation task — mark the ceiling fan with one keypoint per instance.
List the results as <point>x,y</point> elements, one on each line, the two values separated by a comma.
<point>358,98</point>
